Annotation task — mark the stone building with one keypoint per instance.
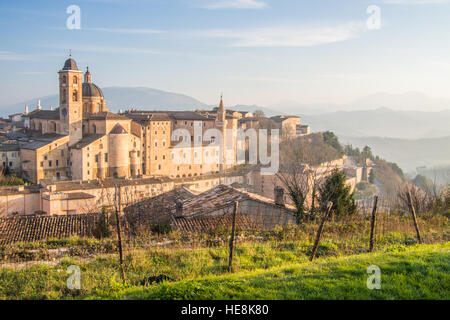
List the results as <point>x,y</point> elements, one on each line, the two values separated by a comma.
<point>82,140</point>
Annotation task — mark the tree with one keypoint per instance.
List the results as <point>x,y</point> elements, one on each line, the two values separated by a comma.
<point>331,139</point>
<point>372,176</point>
<point>337,191</point>
<point>367,153</point>
<point>101,229</point>
<point>297,181</point>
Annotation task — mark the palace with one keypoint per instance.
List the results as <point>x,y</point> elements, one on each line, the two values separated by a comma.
<point>82,140</point>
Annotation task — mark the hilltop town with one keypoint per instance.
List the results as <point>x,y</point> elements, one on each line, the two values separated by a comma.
<point>75,154</point>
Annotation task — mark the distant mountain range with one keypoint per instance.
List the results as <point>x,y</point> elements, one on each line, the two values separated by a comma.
<point>383,123</point>
<point>379,115</point>
<point>408,154</point>
<point>408,101</point>
<point>121,98</point>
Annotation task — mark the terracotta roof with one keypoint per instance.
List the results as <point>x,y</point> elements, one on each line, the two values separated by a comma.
<point>156,210</point>
<point>87,140</point>
<point>220,197</point>
<point>175,115</point>
<point>37,142</point>
<point>118,129</point>
<point>148,116</point>
<point>44,114</point>
<point>106,115</point>
<point>209,224</point>
<point>283,118</point>
<point>95,184</point>
<point>47,227</point>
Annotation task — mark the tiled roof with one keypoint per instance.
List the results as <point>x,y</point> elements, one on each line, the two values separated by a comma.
<point>9,147</point>
<point>87,140</point>
<point>106,115</point>
<point>148,116</point>
<point>156,210</point>
<point>95,184</point>
<point>40,141</point>
<point>283,118</point>
<point>175,115</point>
<point>212,223</point>
<point>10,190</point>
<point>44,114</point>
<point>220,197</point>
<point>45,227</point>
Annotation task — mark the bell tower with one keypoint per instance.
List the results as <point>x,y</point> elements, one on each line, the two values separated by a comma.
<point>71,101</point>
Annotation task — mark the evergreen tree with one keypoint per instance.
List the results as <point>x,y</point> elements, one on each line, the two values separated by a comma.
<point>101,229</point>
<point>335,190</point>
<point>372,176</point>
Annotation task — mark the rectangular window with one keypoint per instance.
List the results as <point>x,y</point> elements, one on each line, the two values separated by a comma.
<point>96,158</point>
<point>50,163</point>
<point>106,157</point>
<point>42,164</point>
<point>57,162</point>
<point>62,152</point>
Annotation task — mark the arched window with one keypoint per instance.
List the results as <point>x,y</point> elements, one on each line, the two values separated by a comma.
<point>75,95</point>
<point>75,80</point>
<point>63,100</point>
<point>64,80</point>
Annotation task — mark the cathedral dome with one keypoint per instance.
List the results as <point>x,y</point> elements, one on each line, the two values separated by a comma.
<point>90,90</point>
<point>70,64</point>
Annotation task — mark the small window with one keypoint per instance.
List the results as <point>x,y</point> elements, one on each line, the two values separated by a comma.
<point>57,162</point>
<point>42,164</point>
<point>96,158</point>
<point>50,163</point>
<point>106,157</point>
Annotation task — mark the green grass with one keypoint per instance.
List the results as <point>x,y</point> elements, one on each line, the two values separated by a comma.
<point>268,270</point>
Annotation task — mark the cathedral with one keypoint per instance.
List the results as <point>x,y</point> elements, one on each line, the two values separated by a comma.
<point>82,140</point>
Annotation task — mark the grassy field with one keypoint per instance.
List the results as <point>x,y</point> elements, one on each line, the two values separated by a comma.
<point>270,270</point>
<point>267,265</point>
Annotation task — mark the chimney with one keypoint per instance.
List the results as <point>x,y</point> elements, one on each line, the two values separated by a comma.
<point>179,209</point>
<point>39,105</point>
<point>279,196</point>
<point>26,109</point>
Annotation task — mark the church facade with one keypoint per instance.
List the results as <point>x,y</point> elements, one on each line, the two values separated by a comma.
<point>83,140</point>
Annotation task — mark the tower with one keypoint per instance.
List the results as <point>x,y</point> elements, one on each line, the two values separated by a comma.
<point>221,124</point>
<point>71,101</point>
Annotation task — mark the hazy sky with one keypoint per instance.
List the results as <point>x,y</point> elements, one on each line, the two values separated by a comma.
<point>254,51</point>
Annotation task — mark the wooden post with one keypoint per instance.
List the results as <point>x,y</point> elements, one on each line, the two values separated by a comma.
<point>119,237</point>
<point>413,212</point>
<point>233,229</point>
<point>372,223</point>
<point>319,231</point>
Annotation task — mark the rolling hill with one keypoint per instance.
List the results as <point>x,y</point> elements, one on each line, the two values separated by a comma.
<point>408,154</point>
<point>121,98</point>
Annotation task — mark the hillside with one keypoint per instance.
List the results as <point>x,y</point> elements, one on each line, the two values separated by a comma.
<point>408,154</point>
